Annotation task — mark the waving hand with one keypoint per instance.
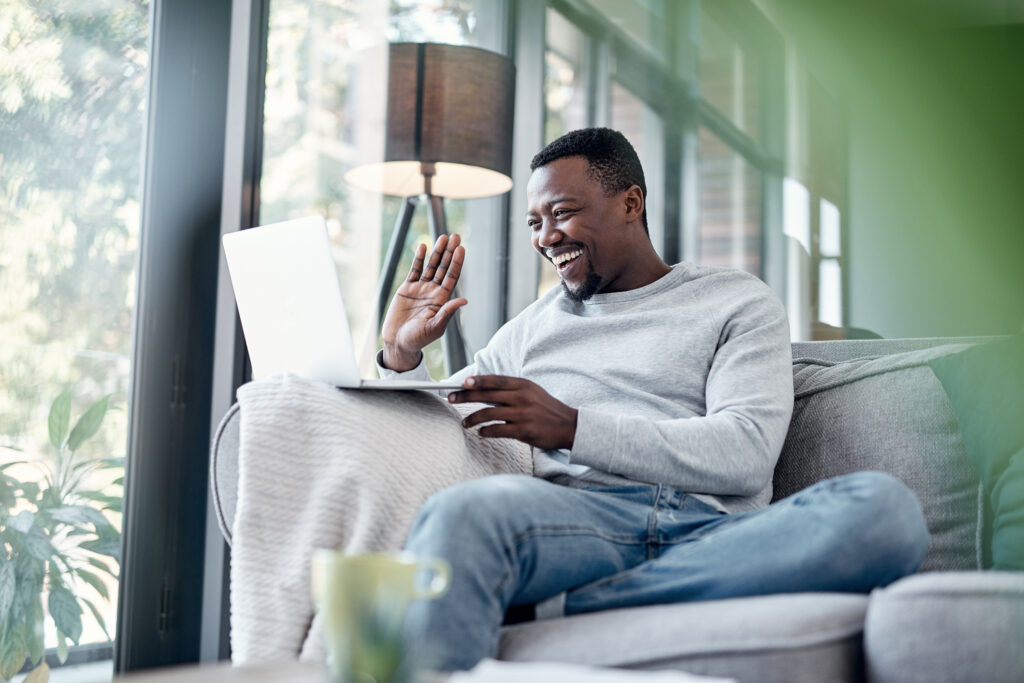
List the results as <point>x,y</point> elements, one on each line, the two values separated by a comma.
<point>423,304</point>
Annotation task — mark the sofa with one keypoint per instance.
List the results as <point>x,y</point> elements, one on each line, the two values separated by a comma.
<point>859,405</point>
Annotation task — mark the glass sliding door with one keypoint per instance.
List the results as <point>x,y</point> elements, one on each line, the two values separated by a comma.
<point>72,89</point>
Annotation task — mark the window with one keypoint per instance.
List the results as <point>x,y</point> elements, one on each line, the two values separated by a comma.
<point>643,127</point>
<point>319,122</point>
<point>730,207</point>
<point>813,204</point>
<point>72,88</point>
<point>730,73</point>
<point>565,97</point>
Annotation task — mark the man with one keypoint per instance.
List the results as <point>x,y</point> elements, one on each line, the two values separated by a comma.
<point>656,400</point>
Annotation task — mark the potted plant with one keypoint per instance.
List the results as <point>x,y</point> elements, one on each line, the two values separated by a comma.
<point>55,543</point>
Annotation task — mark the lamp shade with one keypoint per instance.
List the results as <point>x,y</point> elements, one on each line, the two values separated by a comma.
<point>449,111</point>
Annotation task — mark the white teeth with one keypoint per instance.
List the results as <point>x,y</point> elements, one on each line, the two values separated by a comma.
<point>568,256</point>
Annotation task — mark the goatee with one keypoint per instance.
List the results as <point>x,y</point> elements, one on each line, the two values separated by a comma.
<point>586,290</point>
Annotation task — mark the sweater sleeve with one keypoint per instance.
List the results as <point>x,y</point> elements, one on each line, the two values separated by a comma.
<point>730,450</point>
<point>499,357</point>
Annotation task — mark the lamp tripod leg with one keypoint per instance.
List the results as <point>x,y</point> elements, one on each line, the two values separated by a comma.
<point>394,255</point>
<point>453,342</point>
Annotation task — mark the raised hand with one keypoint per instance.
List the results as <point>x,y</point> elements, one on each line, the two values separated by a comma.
<point>524,410</point>
<point>423,304</point>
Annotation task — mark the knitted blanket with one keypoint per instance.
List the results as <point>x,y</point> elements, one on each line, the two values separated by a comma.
<point>320,467</point>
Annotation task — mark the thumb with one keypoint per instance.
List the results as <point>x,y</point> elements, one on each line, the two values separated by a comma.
<point>445,313</point>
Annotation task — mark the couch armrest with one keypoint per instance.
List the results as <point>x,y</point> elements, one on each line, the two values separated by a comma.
<point>224,470</point>
<point>947,626</point>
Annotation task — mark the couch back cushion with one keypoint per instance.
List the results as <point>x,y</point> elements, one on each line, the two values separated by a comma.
<point>887,413</point>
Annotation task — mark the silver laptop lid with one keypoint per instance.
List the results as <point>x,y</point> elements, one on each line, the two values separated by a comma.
<point>289,301</point>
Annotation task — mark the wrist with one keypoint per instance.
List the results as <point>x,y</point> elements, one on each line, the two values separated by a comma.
<point>399,360</point>
<point>571,430</point>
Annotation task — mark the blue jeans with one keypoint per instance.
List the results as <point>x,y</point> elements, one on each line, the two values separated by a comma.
<point>515,540</point>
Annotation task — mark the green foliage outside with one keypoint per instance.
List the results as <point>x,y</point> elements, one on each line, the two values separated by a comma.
<point>72,91</point>
<point>56,541</point>
<point>72,87</point>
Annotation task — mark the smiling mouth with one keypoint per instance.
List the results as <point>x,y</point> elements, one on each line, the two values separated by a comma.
<point>566,259</point>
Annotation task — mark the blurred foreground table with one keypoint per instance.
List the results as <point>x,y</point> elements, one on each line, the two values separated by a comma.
<point>278,672</point>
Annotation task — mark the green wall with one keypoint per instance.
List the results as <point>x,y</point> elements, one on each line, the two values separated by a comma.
<point>935,107</point>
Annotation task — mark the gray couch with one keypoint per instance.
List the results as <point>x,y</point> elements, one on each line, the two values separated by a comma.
<point>860,405</point>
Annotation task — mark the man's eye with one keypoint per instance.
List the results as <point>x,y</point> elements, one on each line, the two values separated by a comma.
<point>533,223</point>
<point>558,213</point>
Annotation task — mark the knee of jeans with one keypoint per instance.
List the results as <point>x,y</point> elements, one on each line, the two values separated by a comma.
<point>468,510</point>
<point>892,519</point>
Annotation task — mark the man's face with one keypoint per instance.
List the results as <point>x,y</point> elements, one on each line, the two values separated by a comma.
<point>576,227</point>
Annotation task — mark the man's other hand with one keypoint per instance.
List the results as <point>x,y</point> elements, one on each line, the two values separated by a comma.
<point>526,412</point>
<point>422,306</point>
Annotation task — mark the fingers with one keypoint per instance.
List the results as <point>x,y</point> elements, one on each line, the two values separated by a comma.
<point>446,258</point>
<point>493,389</point>
<point>502,431</point>
<point>494,382</point>
<point>493,396</point>
<point>454,270</point>
<point>444,266</point>
<point>417,263</point>
<point>435,257</point>
<point>499,414</point>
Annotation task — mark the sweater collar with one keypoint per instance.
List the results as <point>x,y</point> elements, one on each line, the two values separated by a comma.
<point>670,279</point>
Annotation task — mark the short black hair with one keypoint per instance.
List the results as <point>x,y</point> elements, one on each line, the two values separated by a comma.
<point>611,160</point>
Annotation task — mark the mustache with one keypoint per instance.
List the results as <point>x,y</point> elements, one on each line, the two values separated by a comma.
<point>562,248</point>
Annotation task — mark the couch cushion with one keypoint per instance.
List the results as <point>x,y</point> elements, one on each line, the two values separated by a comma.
<point>947,626</point>
<point>792,638</point>
<point>890,414</point>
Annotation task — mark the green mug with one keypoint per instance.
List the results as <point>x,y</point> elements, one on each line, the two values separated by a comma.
<point>362,600</point>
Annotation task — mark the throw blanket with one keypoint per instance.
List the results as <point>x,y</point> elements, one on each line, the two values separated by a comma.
<point>320,467</point>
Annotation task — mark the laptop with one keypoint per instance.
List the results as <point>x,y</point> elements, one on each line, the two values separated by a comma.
<point>289,302</point>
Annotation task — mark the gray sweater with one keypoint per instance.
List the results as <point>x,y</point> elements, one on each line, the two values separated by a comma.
<point>686,382</point>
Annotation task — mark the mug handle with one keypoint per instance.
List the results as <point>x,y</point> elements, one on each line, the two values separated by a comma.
<point>439,583</point>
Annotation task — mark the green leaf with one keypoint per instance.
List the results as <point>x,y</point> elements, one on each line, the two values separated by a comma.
<point>62,647</point>
<point>104,529</point>
<point>118,482</point>
<point>38,545</point>
<point>111,463</point>
<point>40,674</point>
<point>7,586</point>
<point>36,647</point>
<point>88,424</point>
<point>12,464</point>
<point>21,522</point>
<point>69,514</point>
<point>97,616</point>
<point>94,581</point>
<point>30,570</point>
<point>101,565</point>
<point>108,501</point>
<point>13,659</point>
<point>101,546</point>
<point>60,416</point>
<point>66,613</point>
<point>82,514</point>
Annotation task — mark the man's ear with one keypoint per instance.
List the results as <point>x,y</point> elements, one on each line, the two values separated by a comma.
<point>634,201</point>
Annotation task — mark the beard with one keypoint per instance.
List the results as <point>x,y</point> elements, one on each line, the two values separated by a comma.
<point>586,290</point>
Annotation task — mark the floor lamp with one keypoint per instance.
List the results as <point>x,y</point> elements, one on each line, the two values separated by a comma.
<point>449,134</point>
